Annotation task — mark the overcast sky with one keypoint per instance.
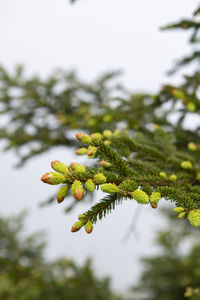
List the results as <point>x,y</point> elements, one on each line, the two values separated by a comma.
<point>92,36</point>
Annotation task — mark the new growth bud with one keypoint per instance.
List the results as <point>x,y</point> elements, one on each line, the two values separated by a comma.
<point>186,165</point>
<point>53,178</point>
<point>154,198</point>
<point>79,168</point>
<point>62,193</point>
<point>96,136</point>
<point>82,217</point>
<point>191,107</point>
<point>140,196</point>
<point>182,215</point>
<point>107,142</point>
<point>117,132</point>
<point>104,164</point>
<point>109,188</point>
<point>73,165</point>
<point>84,138</point>
<point>89,185</point>
<point>77,190</point>
<point>99,178</point>
<point>76,226</point>
<point>178,209</point>
<point>194,217</point>
<point>173,178</point>
<point>192,146</point>
<point>91,150</point>
<point>163,175</point>
<point>81,151</point>
<point>107,134</point>
<point>89,227</point>
<point>107,118</point>
<point>59,167</point>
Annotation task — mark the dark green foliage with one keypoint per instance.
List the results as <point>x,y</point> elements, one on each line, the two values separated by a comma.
<point>42,113</point>
<point>26,275</point>
<point>174,273</point>
<point>102,208</point>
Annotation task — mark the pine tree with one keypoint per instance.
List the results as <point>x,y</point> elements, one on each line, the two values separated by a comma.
<point>138,153</point>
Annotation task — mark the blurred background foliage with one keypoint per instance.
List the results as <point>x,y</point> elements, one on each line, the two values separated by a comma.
<point>25,274</point>
<point>173,273</point>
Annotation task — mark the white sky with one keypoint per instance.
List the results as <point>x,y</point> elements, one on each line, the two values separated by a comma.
<point>92,36</point>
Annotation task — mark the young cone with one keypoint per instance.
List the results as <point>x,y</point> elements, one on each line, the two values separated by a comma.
<point>53,178</point>
<point>76,226</point>
<point>194,217</point>
<point>178,209</point>
<point>186,165</point>
<point>79,168</point>
<point>62,193</point>
<point>89,185</point>
<point>81,151</point>
<point>59,167</point>
<point>140,196</point>
<point>154,198</point>
<point>109,188</point>
<point>77,190</point>
<point>89,227</point>
<point>99,178</point>
<point>173,178</point>
<point>84,138</point>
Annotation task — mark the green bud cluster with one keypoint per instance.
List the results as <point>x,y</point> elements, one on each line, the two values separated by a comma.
<point>77,226</point>
<point>194,217</point>
<point>89,227</point>
<point>178,209</point>
<point>79,168</point>
<point>84,138</point>
<point>120,177</point>
<point>96,135</point>
<point>81,151</point>
<point>107,134</point>
<point>99,178</point>
<point>62,193</point>
<point>104,164</point>
<point>109,188</point>
<point>186,165</point>
<point>192,146</point>
<point>140,196</point>
<point>182,215</point>
<point>91,151</point>
<point>107,118</point>
<point>173,178</point>
<point>59,167</point>
<point>83,221</point>
<point>191,107</point>
<point>182,212</point>
<point>163,175</point>
<point>77,190</point>
<point>53,178</point>
<point>154,198</point>
<point>89,185</point>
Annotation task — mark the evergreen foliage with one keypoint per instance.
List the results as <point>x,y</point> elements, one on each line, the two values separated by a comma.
<point>26,275</point>
<point>173,273</point>
<point>143,154</point>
